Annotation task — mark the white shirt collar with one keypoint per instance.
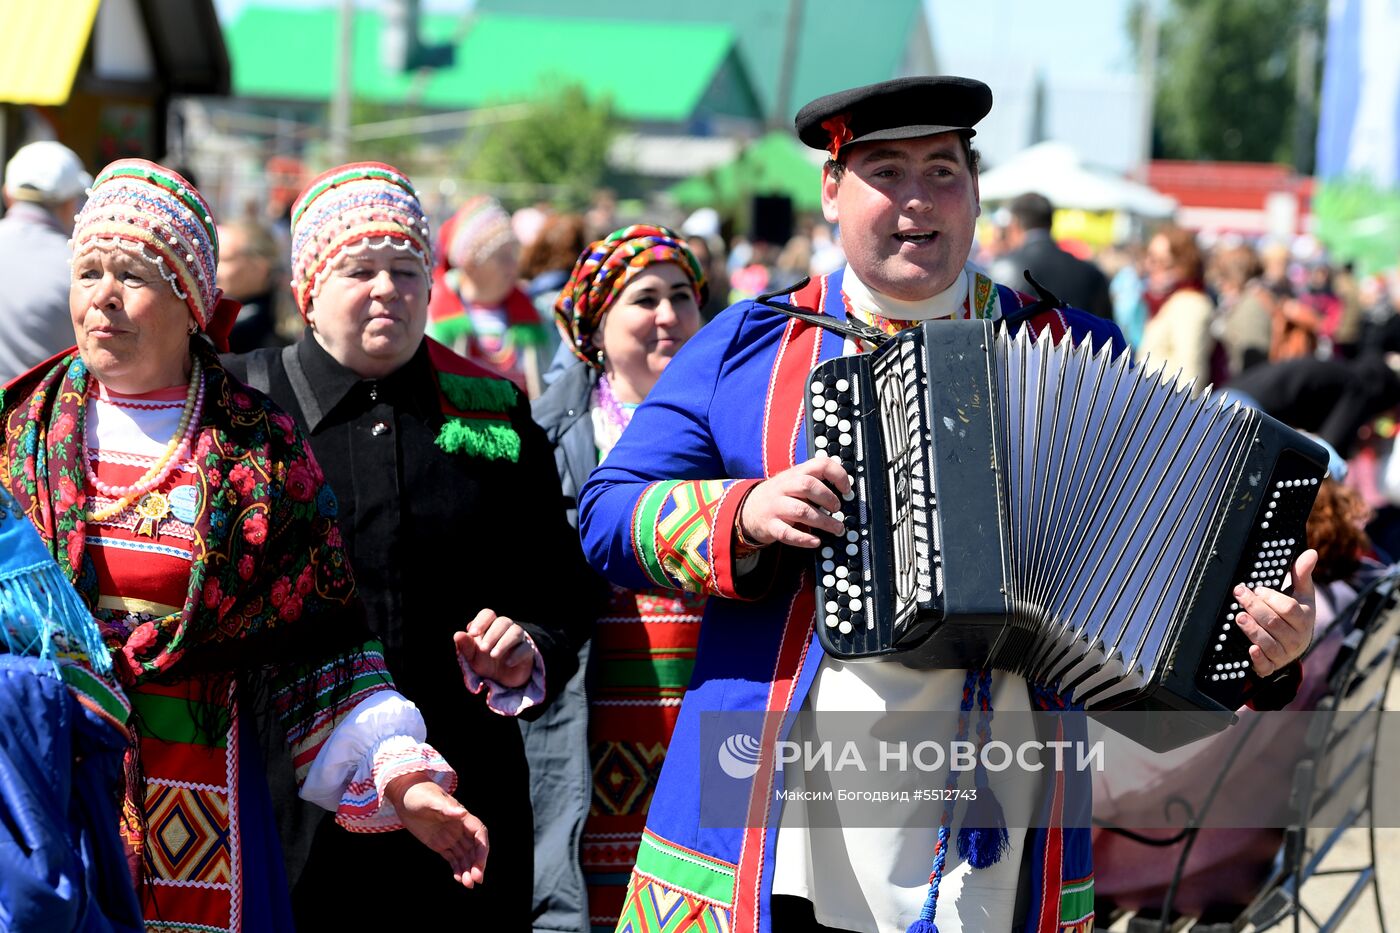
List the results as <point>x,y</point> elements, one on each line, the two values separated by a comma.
<point>950,302</point>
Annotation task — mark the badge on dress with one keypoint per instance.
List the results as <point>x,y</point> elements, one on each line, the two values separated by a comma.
<point>184,503</point>
<point>152,508</point>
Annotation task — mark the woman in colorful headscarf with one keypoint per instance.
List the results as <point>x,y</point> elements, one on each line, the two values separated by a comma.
<point>478,307</point>
<point>188,512</point>
<point>632,302</point>
<point>452,520</point>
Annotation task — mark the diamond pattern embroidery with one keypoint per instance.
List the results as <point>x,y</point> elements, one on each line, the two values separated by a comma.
<point>189,834</point>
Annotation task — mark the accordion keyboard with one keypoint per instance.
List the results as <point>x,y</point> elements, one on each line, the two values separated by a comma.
<point>1277,538</point>
<point>838,421</point>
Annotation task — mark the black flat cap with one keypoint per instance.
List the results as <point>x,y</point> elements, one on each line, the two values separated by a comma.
<point>904,108</point>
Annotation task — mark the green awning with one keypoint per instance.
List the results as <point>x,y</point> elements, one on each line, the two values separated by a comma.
<point>777,164</point>
<point>669,71</point>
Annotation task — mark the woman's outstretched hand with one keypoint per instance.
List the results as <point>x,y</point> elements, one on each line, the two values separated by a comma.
<point>442,824</point>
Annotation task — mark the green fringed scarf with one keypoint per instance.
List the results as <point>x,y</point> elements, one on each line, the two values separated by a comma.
<point>476,404</point>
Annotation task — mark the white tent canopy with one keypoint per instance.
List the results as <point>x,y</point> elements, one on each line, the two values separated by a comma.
<point>1055,170</point>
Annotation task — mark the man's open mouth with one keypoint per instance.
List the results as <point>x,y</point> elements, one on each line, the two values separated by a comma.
<point>915,237</point>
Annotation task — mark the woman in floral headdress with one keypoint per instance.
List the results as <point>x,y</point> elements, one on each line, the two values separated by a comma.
<point>632,302</point>
<point>191,517</point>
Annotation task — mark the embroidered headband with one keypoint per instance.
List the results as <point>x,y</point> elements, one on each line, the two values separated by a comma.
<point>154,213</point>
<point>603,271</point>
<point>478,230</point>
<point>359,203</point>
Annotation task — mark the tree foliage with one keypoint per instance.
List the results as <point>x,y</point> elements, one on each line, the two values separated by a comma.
<point>560,146</point>
<point>1227,76</point>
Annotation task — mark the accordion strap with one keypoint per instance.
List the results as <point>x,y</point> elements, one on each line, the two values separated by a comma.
<point>847,328</point>
<point>1046,301</point>
<point>874,337</point>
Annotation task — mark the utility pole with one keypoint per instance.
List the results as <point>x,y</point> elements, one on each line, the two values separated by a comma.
<point>1147,82</point>
<point>1305,101</point>
<point>340,102</point>
<point>780,118</point>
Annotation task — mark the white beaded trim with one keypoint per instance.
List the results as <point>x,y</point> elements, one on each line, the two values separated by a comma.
<point>389,241</point>
<point>140,251</point>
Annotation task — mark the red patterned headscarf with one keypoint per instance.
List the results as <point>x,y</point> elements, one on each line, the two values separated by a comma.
<point>604,270</point>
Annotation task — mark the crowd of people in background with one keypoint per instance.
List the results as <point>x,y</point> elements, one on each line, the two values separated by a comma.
<point>549,299</point>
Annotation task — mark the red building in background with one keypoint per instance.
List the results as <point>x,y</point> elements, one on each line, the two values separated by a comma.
<point>1247,198</point>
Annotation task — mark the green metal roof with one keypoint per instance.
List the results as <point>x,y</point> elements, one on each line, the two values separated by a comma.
<point>775,164</point>
<point>841,45</point>
<point>671,70</point>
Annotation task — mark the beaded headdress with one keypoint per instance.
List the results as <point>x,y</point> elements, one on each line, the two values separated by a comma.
<point>478,231</point>
<point>603,271</point>
<point>152,212</point>
<point>363,202</point>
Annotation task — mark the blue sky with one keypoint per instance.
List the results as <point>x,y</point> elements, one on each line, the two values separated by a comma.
<point>1079,39</point>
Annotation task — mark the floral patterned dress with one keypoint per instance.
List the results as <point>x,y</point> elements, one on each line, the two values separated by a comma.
<point>227,577</point>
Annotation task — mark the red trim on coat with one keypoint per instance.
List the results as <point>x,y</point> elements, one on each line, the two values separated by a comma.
<point>798,352</point>
<point>792,653</point>
<point>722,582</point>
<point>1052,866</point>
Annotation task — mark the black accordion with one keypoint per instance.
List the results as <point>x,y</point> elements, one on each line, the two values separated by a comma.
<point>1055,511</point>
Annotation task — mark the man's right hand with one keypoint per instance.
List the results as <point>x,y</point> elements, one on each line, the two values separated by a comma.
<point>786,507</point>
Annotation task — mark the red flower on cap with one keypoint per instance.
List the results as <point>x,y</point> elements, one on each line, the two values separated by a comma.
<point>840,130</point>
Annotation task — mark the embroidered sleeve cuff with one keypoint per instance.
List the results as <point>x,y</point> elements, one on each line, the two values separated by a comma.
<point>683,535</point>
<point>509,701</point>
<point>342,778</point>
<point>363,808</point>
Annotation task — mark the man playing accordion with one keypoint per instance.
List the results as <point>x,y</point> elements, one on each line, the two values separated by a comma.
<point>710,490</point>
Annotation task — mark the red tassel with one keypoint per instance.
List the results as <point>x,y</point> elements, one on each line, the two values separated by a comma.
<point>220,323</point>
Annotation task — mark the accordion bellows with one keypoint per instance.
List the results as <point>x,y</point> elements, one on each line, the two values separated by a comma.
<point>1055,511</point>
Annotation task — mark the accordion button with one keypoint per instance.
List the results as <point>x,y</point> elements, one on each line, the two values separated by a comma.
<point>848,496</point>
<point>839,515</point>
<point>828,552</point>
<point>842,586</point>
<point>831,405</point>
<point>822,442</point>
<point>852,536</point>
<point>854,592</point>
<point>818,387</point>
<point>852,550</point>
<point>843,572</point>
<point>832,621</point>
<point>832,606</point>
<point>828,566</point>
<point>843,425</point>
<point>845,628</point>
<point>844,440</point>
<point>855,605</point>
<point>819,415</point>
<point>829,581</point>
<point>842,385</point>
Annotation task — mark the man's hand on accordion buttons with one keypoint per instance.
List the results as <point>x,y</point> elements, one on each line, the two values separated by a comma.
<point>1279,625</point>
<point>785,508</point>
